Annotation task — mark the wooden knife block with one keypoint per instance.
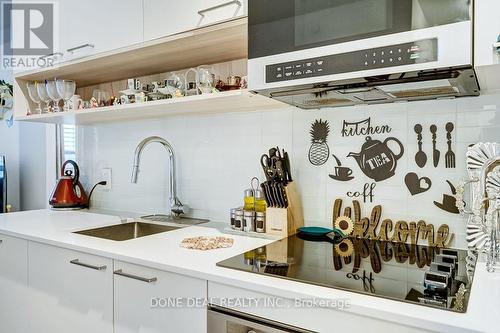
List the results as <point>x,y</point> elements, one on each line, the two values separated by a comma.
<point>285,221</point>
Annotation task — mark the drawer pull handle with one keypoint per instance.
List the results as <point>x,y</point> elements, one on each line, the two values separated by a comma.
<point>135,277</point>
<point>97,268</point>
<point>51,55</point>
<point>80,47</point>
<point>229,3</point>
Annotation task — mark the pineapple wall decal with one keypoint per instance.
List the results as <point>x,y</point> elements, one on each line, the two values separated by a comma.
<point>319,151</point>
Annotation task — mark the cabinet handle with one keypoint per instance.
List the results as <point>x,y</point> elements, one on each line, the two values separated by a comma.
<point>80,47</point>
<point>51,55</point>
<point>97,268</point>
<point>1,241</point>
<point>229,3</point>
<point>135,277</point>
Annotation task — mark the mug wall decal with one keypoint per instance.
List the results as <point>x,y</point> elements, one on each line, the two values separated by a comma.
<point>341,173</point>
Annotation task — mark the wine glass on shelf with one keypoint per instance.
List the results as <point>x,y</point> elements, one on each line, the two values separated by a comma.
<point>44,97</point>
<point>206,79</point>
<point>53,94</point>
<point>33,94</point>
<point>66,89</point>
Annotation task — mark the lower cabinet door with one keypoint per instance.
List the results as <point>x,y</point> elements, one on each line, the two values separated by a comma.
<point>71,291</point>
<point>153,301</point>
<point>14,294</point>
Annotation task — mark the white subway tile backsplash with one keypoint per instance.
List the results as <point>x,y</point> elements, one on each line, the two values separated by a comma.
<point>217,155</point>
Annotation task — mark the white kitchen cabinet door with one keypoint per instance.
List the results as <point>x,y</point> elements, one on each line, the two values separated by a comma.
<point>144,296</point>
<point>486,32</point>
<point>71,291</point>
<point>93,26</point>
<point>13,284</point>
<point>167,17</point>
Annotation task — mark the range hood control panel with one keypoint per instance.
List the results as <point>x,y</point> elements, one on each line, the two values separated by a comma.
<point>421,51</point>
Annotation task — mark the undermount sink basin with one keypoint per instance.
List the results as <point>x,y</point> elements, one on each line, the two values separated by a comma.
<point>126,231</point>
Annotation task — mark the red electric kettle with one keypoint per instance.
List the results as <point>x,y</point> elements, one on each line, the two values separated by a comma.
<point>69,193</point>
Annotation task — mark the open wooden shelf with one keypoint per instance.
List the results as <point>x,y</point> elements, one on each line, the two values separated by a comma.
<point>223,102</point>
<point>212,44</point>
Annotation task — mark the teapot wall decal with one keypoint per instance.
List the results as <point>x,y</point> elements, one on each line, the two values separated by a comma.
<point>376,159</point>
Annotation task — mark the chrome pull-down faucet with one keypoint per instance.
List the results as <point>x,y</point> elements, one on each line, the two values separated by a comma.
<point>176,207</point>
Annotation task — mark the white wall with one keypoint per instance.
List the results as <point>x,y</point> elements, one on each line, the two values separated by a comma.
<point>23,144</point>
<point>32,166</point>
<point>219,154</point>
<point>9,146</point>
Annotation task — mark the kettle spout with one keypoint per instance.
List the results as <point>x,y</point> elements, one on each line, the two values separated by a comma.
<point>356,156</point>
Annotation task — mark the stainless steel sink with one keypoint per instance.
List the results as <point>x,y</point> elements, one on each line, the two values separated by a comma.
<point>126,231</point>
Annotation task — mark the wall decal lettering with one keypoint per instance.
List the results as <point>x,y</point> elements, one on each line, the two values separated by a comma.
<point>362,128</point>
<point>367,192</point>
<point>366,228</point>
<point>417,185</point>
<point>376,159</point>
<point>319,151</point>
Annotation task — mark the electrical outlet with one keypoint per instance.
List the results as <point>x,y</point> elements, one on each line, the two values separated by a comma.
<point>106,175</point>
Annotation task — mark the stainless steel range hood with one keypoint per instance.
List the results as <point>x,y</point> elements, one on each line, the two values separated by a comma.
<point>411,86</point>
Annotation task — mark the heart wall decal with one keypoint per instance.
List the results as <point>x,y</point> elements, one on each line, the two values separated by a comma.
<point>417,185</point>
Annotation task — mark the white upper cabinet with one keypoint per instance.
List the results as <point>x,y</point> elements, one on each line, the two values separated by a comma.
<point>70,291</point>
<point>93,26</point>
<point>486,32</point>
<point>168,17</point>
<point>152,301</point>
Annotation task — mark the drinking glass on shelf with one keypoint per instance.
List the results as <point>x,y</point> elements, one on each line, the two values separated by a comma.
<point>66,89</point>
<point>206,79</point>
<point>101,97</point>
<point>33,94</point>
<point>191,80</point>
<point>53,94</point>
<point>175,85</point>
<point>44,96</point>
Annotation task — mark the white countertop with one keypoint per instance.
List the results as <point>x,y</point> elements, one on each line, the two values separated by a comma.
<point>162,251</point>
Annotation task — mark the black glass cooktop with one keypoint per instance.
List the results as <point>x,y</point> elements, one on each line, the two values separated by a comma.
<point>422,275</point>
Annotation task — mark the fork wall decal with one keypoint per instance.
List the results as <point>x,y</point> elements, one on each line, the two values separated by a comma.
<point>449,157</point>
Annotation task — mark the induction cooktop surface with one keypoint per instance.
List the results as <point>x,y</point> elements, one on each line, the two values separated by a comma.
<point>423,275</point>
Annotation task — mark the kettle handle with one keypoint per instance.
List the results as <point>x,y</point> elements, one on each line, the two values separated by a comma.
<point>401,148</point>
<point>77,170</point>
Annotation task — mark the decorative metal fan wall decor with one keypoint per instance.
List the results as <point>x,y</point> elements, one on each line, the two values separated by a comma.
<point>478,235</point>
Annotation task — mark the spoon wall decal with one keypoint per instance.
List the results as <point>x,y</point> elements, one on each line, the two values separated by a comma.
<point>420,156</point>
